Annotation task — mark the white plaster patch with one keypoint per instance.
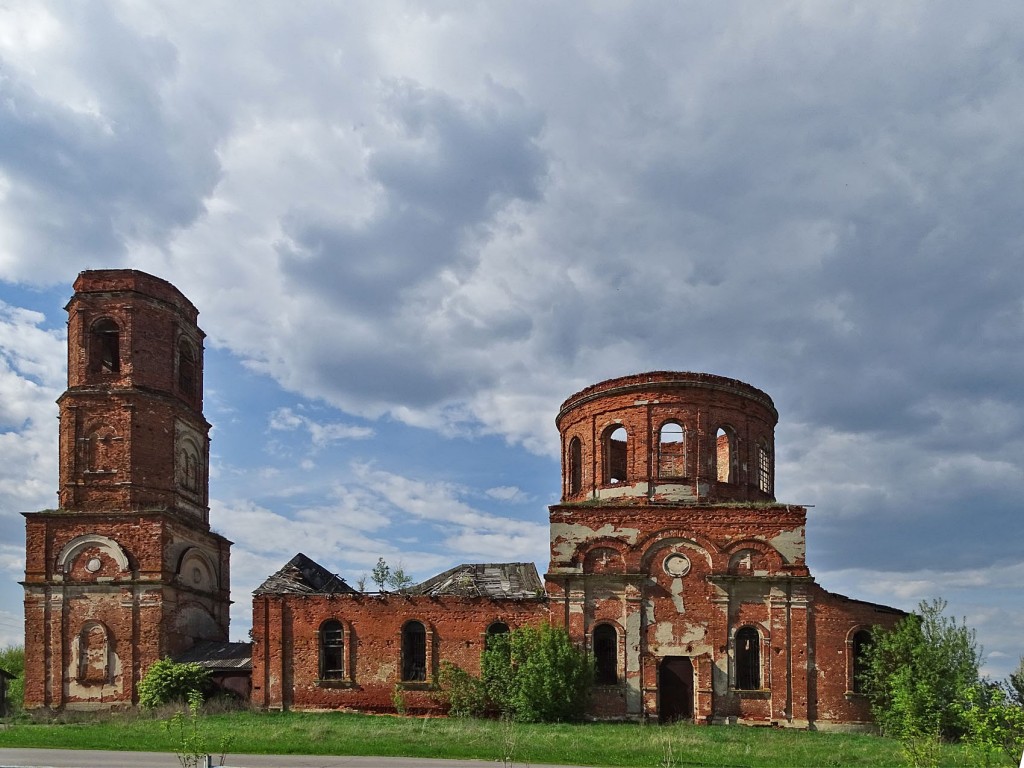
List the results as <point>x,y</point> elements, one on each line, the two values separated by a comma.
<point>677,595</point>
<point>568,536</point>
<point>791,544</point>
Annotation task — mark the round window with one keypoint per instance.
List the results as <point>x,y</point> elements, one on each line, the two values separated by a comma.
<point>677,565</point>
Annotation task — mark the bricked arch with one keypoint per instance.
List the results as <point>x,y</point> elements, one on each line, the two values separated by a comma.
<point>604,555</point>
<point>195,569</point>
<point>93,652</point>
<point>648,548</point>
<point>762,556</point>
<point>70,551</point>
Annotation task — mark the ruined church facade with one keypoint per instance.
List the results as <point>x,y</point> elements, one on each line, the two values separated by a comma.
<point>671,562</point>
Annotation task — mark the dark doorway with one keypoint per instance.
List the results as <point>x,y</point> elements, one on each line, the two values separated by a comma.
<point>675,689</point>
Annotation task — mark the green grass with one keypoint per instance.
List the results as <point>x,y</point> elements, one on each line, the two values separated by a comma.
<point>586,744</point>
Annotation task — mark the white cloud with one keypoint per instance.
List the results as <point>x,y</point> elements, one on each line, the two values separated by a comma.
<point>285,419</point>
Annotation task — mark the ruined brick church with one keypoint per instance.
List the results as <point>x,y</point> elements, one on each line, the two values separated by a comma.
<point>671,562</point>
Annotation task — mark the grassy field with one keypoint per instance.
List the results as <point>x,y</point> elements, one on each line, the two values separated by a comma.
<point>589,744</point>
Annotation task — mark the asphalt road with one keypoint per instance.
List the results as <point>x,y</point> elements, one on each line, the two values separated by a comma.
<point>73,758</point>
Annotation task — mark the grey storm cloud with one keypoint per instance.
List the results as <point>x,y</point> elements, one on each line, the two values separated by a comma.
<point>456,216</point>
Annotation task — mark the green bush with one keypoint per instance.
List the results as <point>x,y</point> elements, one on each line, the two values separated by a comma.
<point>462,694</point>
<point>995,725</point>
<point>536,674</point>
<point>12,660</point>
<point>919,672</point>
<point>168,682</point>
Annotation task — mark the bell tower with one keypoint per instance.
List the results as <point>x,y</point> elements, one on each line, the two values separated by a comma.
<point>126,570</point>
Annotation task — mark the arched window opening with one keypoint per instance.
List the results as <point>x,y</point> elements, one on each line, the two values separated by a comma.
<point>615,444</point>
<point>606,655</point>
<point>672,450</point>
<point>332,650</point>
<point>575,466</point>
<point>414,652</point>
<point>860,644</point>
<point>494,629</point>
<point>186,370</point>
<point>748,659</point>
<point>764,468</point>
<point>93,654</point>
<point>105,347</point>
<point>725,455</point>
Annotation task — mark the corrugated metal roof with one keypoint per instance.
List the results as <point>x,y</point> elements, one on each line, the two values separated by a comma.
<point>302,576</point>
<point>217,656</point>
<point>512,581</point>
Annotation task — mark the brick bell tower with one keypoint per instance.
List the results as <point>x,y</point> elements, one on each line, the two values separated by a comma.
<point>126,570</point>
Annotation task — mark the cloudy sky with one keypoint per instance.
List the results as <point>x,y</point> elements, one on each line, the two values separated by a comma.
<point>412,229</point>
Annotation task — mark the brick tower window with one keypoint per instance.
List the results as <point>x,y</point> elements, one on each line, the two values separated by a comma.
<point>414,652</point>
<point>332,650</point>
<point>606,655</point>
<point>105,347</point>
<point>672,450</point>
<point>748,659</point>
<point>764,468</point>
<point>575,466</point>
<point>186,370</point>
<point>725,455</point>
<point>616,442</point>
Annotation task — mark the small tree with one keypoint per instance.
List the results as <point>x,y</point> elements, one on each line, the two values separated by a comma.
<point>398,579</point>
<point>536,674</point>
<point>167,681</point>
<point>917,674</point>
<point>381,573</point>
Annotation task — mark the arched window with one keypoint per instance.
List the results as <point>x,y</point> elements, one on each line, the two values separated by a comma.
<point>748,659</point>
<point>764,468</point>
<point>414,652</point>
<point>606,654</point>
<point>105,347</point>
<point>332,650</point>
<point>575,466</point>
<point>615,444</point>
<point>494,629</point>
<point>725,455</point>
<point>672,450</point>
<point>858,650</point>
<point>186,370</point>
<point>93,654</point>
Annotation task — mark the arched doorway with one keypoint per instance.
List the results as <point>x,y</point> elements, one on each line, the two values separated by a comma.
<point>675,689</point>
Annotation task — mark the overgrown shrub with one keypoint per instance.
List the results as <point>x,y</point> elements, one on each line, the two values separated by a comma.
<point>995,725</point>
<point>12,660</point>
<point>169,682</point>
<point>536,674</point>
<point>918,673</point>
<point>461,693</point>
